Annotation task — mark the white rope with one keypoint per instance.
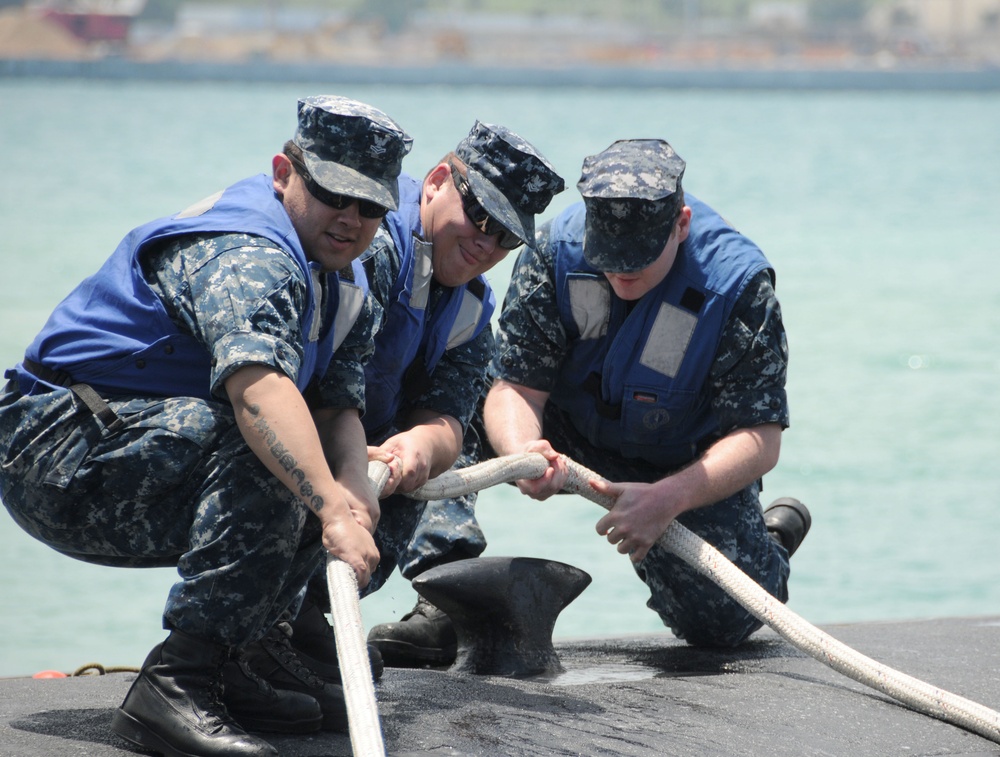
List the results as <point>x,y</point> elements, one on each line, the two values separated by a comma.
<point>711,563</point>
<point>352,647</point>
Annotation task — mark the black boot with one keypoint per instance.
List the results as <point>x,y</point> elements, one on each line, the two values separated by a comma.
<point>788,521</point>
<point>274,660</point>
<point>175,705</point>
<point>424,636</point>
<point>316,645</point>
<point>258,706</point>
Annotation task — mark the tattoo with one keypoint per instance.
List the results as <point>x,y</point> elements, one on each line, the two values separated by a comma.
<point>286,460</point>
<point>283,456</point>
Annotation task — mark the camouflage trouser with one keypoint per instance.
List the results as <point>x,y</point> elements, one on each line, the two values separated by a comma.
<point>693,607</point>
<point>175,485</point>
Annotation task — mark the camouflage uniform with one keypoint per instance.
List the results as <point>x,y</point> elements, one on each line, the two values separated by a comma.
<point>745,388</point>
<point>445,526</point>
<point>512,182</point>
<point>171,481</point>
<point>177,484</point>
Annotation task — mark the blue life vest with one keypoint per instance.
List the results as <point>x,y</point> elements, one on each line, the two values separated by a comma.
<point>412,340</point>
<point>637,382</point>
<point>113,333</point>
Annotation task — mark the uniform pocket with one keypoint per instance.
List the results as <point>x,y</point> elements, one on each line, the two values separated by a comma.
<point>44,439</point>
<point>655,424</point>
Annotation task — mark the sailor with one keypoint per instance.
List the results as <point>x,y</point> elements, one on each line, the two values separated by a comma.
<point>196,403</point>
<point>641,337</point>
<point>426,378</point>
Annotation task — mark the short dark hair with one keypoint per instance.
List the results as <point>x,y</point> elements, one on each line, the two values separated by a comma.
<point>292,151</point>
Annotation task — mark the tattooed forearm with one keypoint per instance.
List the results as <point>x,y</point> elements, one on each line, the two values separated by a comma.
<point>286,460</point>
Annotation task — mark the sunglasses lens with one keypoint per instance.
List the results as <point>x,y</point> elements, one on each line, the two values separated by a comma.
<point>333,200</point>
<point>366,208</point>
<point>479,217</point>
<point>509,241</point>
<point>369,209</point>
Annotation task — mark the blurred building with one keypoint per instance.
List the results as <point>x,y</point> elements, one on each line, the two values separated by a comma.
<point>101,21</point>
<point>962,28</point>
<point>682,34</point>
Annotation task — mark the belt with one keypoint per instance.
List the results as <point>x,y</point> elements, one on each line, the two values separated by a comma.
<point>94,402</point>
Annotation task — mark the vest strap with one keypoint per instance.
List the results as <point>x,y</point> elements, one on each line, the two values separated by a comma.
<point>108,417</point>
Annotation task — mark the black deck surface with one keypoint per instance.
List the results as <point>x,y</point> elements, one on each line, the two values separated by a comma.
<point>649,695</point>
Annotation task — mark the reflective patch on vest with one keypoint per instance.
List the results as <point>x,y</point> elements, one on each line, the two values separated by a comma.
<point>464,327</point>
<point>352,297</point>
<point>201,207</point>
<point>668,340</point>
<point>423,270</point>
<point>590,304</point>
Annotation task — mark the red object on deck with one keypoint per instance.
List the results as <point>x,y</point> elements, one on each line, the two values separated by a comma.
<point>49,674</point>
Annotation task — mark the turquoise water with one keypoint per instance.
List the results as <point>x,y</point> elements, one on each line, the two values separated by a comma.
<point>879,211</point>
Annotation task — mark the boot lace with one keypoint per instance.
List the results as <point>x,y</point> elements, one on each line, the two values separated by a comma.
<point>278,643</point>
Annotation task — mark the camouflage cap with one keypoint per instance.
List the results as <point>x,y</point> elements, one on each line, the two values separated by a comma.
<point>510,178</point>
<point>632,192</point>
<point>351,148</point>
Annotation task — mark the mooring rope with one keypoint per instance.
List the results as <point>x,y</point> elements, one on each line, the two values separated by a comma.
<point>712,564</point>
<point>703,557</point>
<point>352,647</point>
<point>352,656</point>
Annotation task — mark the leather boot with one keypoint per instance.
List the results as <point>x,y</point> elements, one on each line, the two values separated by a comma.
<point>424,636</point>
<point>274,660</point>
<point>315,643</point>
<point>175,706</point>
<point>788,521</point>
<point>258,706</point>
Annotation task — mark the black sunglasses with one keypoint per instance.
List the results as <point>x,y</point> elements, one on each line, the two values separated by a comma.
<point>366,208</point>
<point>478,215</point>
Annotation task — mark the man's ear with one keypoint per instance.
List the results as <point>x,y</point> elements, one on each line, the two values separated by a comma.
<point>281,172</point>
<point>683,224</point>
<point>436,179</point>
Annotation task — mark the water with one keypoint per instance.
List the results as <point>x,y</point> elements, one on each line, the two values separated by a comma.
<point>879,211</point>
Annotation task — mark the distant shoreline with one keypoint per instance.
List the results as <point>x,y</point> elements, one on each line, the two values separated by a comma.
<point>898,79</point>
